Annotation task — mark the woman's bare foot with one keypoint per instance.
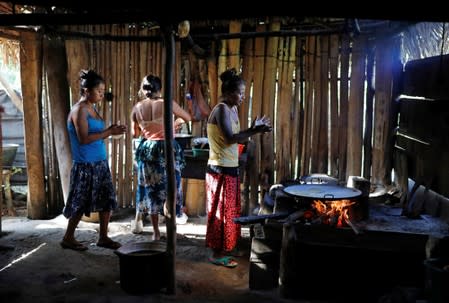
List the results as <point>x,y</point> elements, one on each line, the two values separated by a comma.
<point>156,236</point>
<point>137,226</point>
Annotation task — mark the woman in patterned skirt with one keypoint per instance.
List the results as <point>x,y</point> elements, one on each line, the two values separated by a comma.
<point>91,188</point>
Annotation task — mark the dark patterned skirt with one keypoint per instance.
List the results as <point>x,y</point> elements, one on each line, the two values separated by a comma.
<point>91,189</point>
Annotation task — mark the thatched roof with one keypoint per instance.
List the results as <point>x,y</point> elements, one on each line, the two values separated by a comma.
<point>425,39</point>
<point>420,39</point>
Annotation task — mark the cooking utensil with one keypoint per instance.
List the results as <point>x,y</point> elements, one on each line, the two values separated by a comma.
<point>322,191</point>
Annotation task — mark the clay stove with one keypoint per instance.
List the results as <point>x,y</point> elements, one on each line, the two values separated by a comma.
<point>315,253</point>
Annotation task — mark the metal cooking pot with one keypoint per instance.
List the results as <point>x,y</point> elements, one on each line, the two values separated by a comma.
<point>322,192</point>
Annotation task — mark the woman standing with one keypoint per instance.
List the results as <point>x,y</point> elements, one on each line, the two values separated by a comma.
<point>91,188</point>
<point>147,118</point>
<point>222,174</point>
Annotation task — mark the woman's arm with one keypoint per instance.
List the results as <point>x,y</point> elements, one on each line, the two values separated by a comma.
<point>223,120</point>
<point>183,115</point>
<point>135,128</point>
<point>178,111</point>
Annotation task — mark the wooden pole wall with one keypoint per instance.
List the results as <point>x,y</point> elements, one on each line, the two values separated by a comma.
<point>300,108</point>
<point>123,65</point>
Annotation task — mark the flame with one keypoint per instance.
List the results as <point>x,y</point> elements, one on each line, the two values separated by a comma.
<point>333,212</point>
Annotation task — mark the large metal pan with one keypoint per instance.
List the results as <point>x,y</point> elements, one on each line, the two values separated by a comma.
<point>322,192</point>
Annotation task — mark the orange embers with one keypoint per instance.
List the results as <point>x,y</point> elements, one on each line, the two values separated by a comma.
<point>333,212</point>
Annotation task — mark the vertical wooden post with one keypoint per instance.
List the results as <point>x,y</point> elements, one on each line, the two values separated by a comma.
<point>169,158</point>
<point>58,94</point>
<point>31,74</point>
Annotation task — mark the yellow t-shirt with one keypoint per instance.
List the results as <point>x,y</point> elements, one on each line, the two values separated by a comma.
<point>220,153</point>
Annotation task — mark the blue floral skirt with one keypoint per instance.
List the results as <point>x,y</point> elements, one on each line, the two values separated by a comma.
<point>152,176</point>
<point>91,189</point>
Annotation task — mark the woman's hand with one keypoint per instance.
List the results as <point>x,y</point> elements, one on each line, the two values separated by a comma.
<point>116,129</point>
<point>262,125</point>
<point>178,124</point>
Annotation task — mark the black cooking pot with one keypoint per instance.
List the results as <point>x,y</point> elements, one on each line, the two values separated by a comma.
<point>143,267</point>
<point>184,140</point>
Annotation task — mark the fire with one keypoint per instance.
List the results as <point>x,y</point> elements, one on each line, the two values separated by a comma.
<point>333,212</point>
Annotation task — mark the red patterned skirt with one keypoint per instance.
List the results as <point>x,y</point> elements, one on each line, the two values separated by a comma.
<point>223,205</point>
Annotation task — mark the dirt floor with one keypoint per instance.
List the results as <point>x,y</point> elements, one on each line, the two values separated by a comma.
<point>34,268</point>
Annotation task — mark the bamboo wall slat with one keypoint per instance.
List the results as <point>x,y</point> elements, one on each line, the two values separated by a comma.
<point>308,103</point>
<point>284,158</point>
<point>202,68</point>
<point>235,26</point>
<point>316,108</point>
<point>291,131</point>
<point>298,108</point>
<point>247,74</point>
<point>382,111</point>
<point>268,102</point>
<point>177,75</point>
<point>355,108</point>
<point>55,197</point>
<point>212,77</point>
<point>222,63</point>
<point>322,100</point>
<point>280,115</point>
<point>367,136</point>
<point>333,73</point>
<point>343,116</point>
<point>117,75</point>
<point>256,109</point>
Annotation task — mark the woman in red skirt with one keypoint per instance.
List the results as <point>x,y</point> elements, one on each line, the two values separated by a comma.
<point>222,174</point>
